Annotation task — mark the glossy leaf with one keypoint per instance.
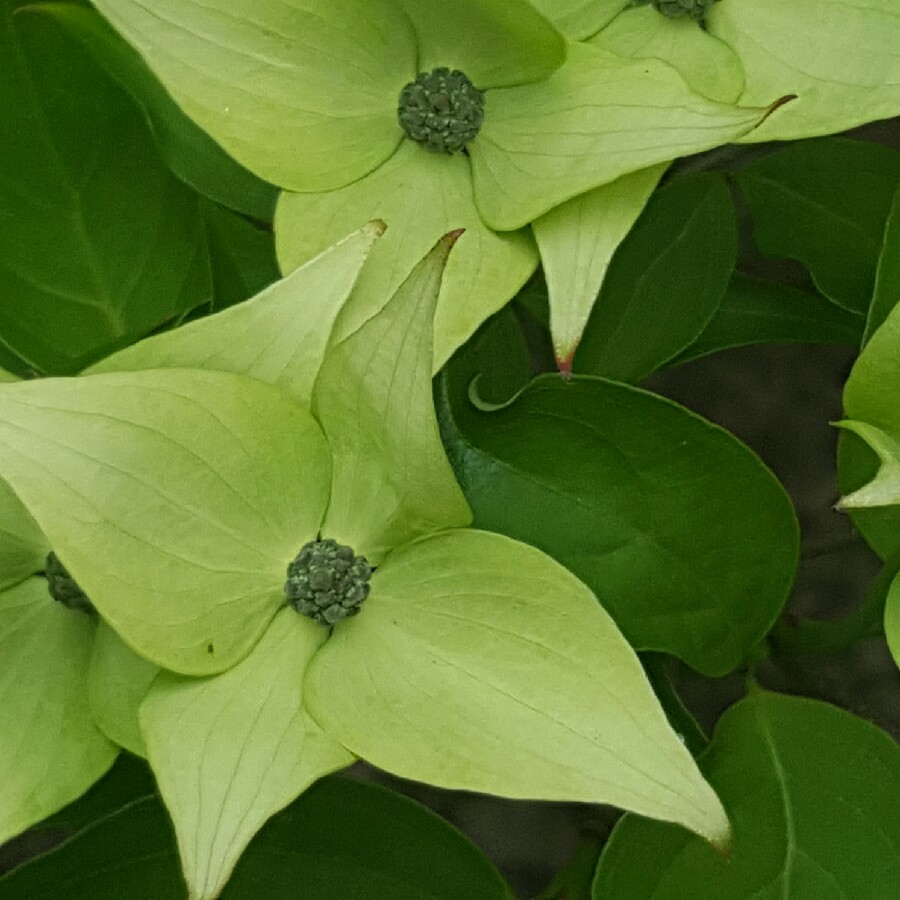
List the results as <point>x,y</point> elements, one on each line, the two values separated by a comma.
<point>596,118</point>
<point>579,19</point>
<point>189,151</point>
<point>341,839</point>
<point>124,236</point>
<point>577,240</point>
<point>304,95</point>
<point>23,547</point>
<point>391,480</point>
<point>813,794</point>
<point>825,203</point>
<point>480,664</point>
<point>175,498</point>
<point>279,336</point>
<point>892,619</point>
<point>50,749</point>
<point>759,312</point>
<point>228,752</point>
<point>845,70</point>
<point>134,842</point>
<point>495,42</point>
<point>709,66</point>
<point>118,681</point>
<point>421,196</point>
<point>242,256</point>
<point>684,536</point>
<point>665,282</point>
<point>346,839</point>
<point>887,277</point>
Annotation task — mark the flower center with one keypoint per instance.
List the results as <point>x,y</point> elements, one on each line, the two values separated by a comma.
<point>680,9</point>
<point>327,581</point>
<point>63,587</point>
<point>441,109</point>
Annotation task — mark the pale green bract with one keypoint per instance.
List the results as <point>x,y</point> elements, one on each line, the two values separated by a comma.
<point>177,496</point>
<point>304,93</point>
<point>872,413</point>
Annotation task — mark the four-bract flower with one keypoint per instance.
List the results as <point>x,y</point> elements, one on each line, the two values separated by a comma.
<point>181,495</point>
<point>51,751</point>
<point>70,687</point>
<point>305,93</point>
<point>843,72</point>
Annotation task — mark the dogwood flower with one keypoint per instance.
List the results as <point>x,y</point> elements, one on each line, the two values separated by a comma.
<point>343,103</point>
<point>267,514</point>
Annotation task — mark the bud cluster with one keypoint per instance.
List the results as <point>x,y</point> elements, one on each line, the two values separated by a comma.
<point>441,109</point>
<point>327,581</point>
<point>63,587</point>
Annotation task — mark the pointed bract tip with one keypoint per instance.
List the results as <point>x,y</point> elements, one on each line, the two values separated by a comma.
<point>781,101</point>
<point>564,361</point>
<point>379,226</point>
<point>451,237</point>
<point>724,845</point>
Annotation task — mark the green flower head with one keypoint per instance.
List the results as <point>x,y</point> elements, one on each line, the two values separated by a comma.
<point>205,484</point>
<point>429,115</point>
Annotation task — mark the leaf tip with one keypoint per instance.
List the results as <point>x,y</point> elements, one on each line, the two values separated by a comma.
<point>377,227</point>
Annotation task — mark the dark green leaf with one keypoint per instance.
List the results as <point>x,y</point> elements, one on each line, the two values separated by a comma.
<point>242,256</point>
<point>681,532</point>
<point>813,794</point>
<point>345,839</point>
<point>677,713</point>
<point>665,281</point>
<point>190,152</point>
<point>825,203</point>
<point>342,839</point>
<point>887,278</point>
<point>101,244</point>
<point>757,312</point>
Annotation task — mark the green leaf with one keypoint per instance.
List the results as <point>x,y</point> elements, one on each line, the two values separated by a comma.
<point>577,240</point>
<point>813,794</point>
<point>129,853</point>
<point>892,619</point>
<point>391,479</point>
<point>23,547</point>
<point>596,118</point>
<point>189,151</point>
<point>50,750</point>
<point>681,532</point>
<point>118,681</point>
<point>304,95</point>
<point>230,751</point>
<point>845,70</point>
<point>278,337</point>
<point>242,256</point>
<point>759,312</point>
<point>421,196</point>
<point>176,498</point>
<point>497,43</point>
<point>341,839</point>
<point>708,65</point>
<point>478,663</point>
<point>82,185</point>
<point>666,281</point>
<point>887,276</point>
<point>579,19</point>
<point>825,203</point>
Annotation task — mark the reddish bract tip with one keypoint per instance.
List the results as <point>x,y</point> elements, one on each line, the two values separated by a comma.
<point>781,101</point>
<point>451,237</point>
<point>564,364</point>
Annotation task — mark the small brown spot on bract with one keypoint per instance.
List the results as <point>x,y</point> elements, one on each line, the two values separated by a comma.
<point>210,648</point>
